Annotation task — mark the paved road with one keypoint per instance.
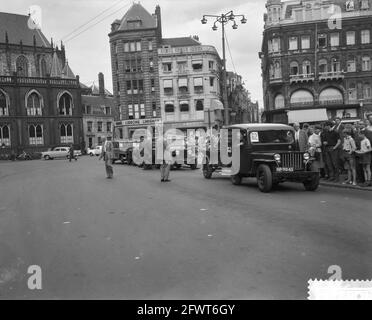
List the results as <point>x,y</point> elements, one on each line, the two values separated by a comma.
<point>137,238</point>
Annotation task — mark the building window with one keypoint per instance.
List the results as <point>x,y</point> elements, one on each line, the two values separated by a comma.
<point>152,85</point>
<point>306,67</point>
<point>22,66</point>
<point>66,131</point>
<point>293,68</point>
<point>322,41</point>
<point>350,38</point>
<point>169,111</point>
<point>129,86</point>
<point>35,134</point>
<point>323,66</point>
<point>197,65</point>
<point>367,94</point>
<point>65,104</point>
<point>211,82</point>
<point>135,86</point>
<point>89,126</point>
<point>168,87</point>
<point>352,93</point>
<point>183,86</point>
<point>150,45</point>
<point>366,63</point>
<point>138,46</point>
<point>33,104</point>
<point>184,109</point>
<point>43,68</point>
<point>130,112</point>
<point>154,114</point>
<point>336,65</point>
<point>136,111</point>
<point>335,39</point>
<point>351,66</point>
<point>182,66</point>
<point>276,45</point>
<point>142,111</point>
<point>127,66</point>
<point>126,46</point>
<point>121,133</point>
<point>279,102</point>
<point>305,42</point>
<point>132,46</point>
<point>99,126</point>
<point>365,36</point>
<point>108,110</point>
<point>151,65</point>
<point>167,67</point>
<point>99,141</point>
<point>198,85</point>
<point>364,4</point>
<point>199,108</point>
<point>293,43</point>
<point>140,86</point>
<point>4,107</point>
<point>211,65</point>
<point>88,109</point>
<point>108,126</point>
<point>4,135</point>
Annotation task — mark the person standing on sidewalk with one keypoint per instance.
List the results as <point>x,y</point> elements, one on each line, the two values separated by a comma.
<point>107,155</point>
<point>315,149</point>
<point>349,149</point>
<point>331,143</point>
<point>301,137</point>
<point>365,158</point>
<point>71,153</point>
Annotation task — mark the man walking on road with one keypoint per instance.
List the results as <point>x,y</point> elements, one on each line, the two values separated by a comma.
<point>107,155</point>
<point>165,166</point>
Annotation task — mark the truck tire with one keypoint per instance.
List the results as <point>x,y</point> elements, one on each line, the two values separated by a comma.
<point>312,185</point>
<point>264,178</point>
<point>236,179</point>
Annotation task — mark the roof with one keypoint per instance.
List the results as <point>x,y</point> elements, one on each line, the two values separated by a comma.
<point>95,90</point>
<point>261,126</point>
<point>67,72</point>
<point>180,42</point>
<point>138,13</point>
<point>16,26</point>
<point>98,100</point>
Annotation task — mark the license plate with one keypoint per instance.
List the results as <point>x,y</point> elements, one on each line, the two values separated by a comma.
<point>280,169</point>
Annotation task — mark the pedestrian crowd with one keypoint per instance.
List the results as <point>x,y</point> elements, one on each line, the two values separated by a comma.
<point>338,148</point>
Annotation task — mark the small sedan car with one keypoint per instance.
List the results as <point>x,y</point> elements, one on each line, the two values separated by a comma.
<point>96,151</point>
<point>58,153</point>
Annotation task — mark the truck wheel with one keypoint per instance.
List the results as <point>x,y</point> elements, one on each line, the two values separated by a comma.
<point>264,178</point>
<point>312,185</point>
<point>91,154</point>
<point>236,179</point>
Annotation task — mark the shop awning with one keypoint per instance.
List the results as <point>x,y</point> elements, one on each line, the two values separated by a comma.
<point>182,102</point>
<point>216,105</point>
<point>182,82</point>
<point>310,115</point>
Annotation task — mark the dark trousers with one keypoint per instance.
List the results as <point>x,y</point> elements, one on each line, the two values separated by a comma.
<point>332,162</point>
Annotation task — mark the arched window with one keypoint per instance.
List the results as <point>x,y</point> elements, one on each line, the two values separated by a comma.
<point>22,66</point>
<point>366,63</point>
<point>293,68</point>
<point>66,133</point>
<point>302,97</point>
<point>34,103</point>
<point>306,67</point>
<point>65,104</point>
<point>4,104</point>
<point>331,95</point>
<point>43,68</point>
<point>367,94</point>
<point>323,66</point>
<point>35,134</point>
<point>4,135</point>
<point>279,101</point>
<point>199,108</point>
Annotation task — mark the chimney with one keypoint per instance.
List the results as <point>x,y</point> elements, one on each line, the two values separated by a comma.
<point>101,83</point>
<point>159,26</point>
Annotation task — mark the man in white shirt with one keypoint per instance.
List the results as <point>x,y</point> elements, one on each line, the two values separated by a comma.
<point>107,155</point>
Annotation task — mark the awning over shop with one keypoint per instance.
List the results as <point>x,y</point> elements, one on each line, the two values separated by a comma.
<point>216,105</point>
<point>310,115</point>
<point>198,82</point>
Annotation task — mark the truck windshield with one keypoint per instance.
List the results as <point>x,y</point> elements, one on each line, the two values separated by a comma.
<point>272,136</point>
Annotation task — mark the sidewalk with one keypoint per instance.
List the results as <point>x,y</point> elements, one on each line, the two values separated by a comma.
<point>343,186</point>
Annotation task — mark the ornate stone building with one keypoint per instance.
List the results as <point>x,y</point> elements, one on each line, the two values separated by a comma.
<point>316,60</point>
<point>40,97</point>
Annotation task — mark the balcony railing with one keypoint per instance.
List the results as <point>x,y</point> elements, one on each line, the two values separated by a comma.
<point>333,75</point>
<point>276,80</point>
<point>13,80</point>
<point>306,77</point>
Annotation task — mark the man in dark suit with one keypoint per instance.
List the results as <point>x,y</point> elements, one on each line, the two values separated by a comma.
<point>301,138</point>
<point>107,155</point>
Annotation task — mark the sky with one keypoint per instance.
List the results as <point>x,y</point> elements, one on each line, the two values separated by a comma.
<point>88,49</point>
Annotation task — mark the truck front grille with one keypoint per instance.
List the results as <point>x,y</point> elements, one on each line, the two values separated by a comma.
<point>292,160</point>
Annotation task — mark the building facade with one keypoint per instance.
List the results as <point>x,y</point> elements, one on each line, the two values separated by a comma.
<point>243,110</point>
<point>40,97</point>
<point>99,114</point>
<point>134,57</point>
<point>316,60</point>
<point>189,83</point>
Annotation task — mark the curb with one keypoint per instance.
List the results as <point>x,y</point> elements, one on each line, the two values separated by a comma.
<point>344,186</point>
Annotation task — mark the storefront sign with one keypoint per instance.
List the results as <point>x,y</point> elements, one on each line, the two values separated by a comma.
<point>139,122</point>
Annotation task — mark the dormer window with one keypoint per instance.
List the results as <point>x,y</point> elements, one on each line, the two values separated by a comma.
<point>134,24</point>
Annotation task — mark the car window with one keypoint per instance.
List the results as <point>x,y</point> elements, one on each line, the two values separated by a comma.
<point>272,136</point>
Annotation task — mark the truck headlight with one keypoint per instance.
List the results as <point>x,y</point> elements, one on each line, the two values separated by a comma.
<point>277,157</point>
<point>306,156</point>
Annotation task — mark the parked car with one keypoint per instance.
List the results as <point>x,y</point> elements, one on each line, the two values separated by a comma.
<point>267,153</point>
<point>59,153</point>
<point>96,151</point>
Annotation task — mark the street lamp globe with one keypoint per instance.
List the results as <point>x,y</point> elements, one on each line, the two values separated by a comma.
<point>235,26</point>
<point>204,20</point>
<point>244,20</point>
<point>214,28</point>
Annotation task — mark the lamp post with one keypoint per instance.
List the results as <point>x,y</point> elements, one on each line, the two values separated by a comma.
<point>224,19</point>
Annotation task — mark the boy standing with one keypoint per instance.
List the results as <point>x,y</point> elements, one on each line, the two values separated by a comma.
<point>365,157</point>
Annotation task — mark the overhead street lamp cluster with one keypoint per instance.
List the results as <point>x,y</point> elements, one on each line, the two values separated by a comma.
<point>224,19</point>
